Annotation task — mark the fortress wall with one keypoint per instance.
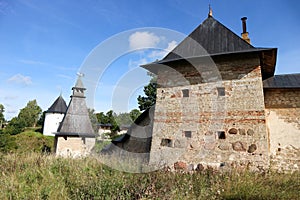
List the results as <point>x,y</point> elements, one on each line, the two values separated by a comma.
<point>220,123</point>
<point>283,123</point>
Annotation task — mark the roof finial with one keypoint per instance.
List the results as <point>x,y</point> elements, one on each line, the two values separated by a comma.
<point>80,74</point>
<point>210,14</point>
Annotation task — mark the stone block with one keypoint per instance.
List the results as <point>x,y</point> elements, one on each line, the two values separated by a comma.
<point>199,167</point>
<point>250,132</point>
<point>210,146</point>
<point>252,148</point>
<point>239,146</point>
<point>180,165</point>
<point>223,146</point>
<point>242,131</point>
<point>233,131</point>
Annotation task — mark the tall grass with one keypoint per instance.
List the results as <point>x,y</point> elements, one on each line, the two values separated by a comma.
<point>37,176</point>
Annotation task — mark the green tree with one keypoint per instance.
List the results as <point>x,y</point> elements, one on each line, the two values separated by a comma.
<point>2,119</point>
<point>15,126</point>
<point>109,118</point>
<point>41,120</point>
<point>134,114</point>
<point>150,98</point>
<point>30,114</point>
<point>101,117</point>
<point>123,119</point>
<point>93,118</point>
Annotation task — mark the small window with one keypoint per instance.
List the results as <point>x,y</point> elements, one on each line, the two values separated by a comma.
<point>185,93</point>
<point>221,135</point>
<point>166,142</point>
<point>188,134</point>
<point>221,91</point>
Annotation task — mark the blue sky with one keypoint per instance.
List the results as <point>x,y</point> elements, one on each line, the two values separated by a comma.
<point>43,44</point>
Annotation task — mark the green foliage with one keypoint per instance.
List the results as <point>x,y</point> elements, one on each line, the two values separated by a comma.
<point>31,141</point>
<point>7,143</point>
<point>100,144</point>
<point>27,141</point>
<point>123,119</point>
<point>15,126</point>
<point>2,119</point>
<point>134,114</point>
<point>127,118</point>
<point>150,98</point>
<point>93,118</point>
<point>102,119</point>
<point>109,118</point>
<point>41,120</point>
<point>36,176</point>
<point>30,114</point>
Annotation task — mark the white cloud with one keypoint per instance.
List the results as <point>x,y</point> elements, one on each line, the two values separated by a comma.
<point>162,53</point>
<point>10,97</point>
<point>144,39</point>
<point>171,46</point>
<point>20,79</point>
<point>133,64</point>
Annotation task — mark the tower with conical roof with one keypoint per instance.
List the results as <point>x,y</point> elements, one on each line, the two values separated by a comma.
<point>75,136</point>
<point>54,116</point>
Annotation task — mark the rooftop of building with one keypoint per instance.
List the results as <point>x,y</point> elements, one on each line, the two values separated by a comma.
<point>59,106</point>
<point>211,38</point>
<point>283,81</point>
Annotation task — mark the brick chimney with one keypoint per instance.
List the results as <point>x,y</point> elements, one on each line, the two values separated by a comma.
<point>245,34</point>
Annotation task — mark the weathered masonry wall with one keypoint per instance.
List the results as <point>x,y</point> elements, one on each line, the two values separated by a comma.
<point>74,146</point>
<point>283,123</point>
<point>210,122</point>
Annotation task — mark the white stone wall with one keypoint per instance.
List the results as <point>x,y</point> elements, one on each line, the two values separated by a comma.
<point>74,147</point>
<point>52,121</point>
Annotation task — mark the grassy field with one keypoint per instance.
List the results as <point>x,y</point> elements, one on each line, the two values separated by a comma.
<point>39,176</point>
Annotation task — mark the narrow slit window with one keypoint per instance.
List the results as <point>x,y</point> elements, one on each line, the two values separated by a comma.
<point>188,134</point>
<point>166,142</point>
<point>185,93</point>
<point>221,91</point>
<point>221,135</point>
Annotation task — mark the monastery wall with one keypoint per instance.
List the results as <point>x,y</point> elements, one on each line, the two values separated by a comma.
<point>283,123</point>
<point>207,122</point>
<point>74,146</point>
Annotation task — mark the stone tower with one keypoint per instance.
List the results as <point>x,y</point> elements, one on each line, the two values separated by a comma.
<point>75,136</point>
<point>54,116</point>
<point>210,102</point>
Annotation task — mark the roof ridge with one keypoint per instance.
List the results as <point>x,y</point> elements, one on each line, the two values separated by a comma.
<point>210,37</point>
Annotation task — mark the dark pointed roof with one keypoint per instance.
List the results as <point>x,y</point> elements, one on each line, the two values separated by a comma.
<point>211,38</point>
<point>284,81</point>
<point>59,106</point>
<point>76,122</point>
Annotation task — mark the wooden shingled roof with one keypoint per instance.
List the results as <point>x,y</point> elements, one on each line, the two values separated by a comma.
<point>212,38</point>
<point>284,81</point>
<point>76,122</point>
